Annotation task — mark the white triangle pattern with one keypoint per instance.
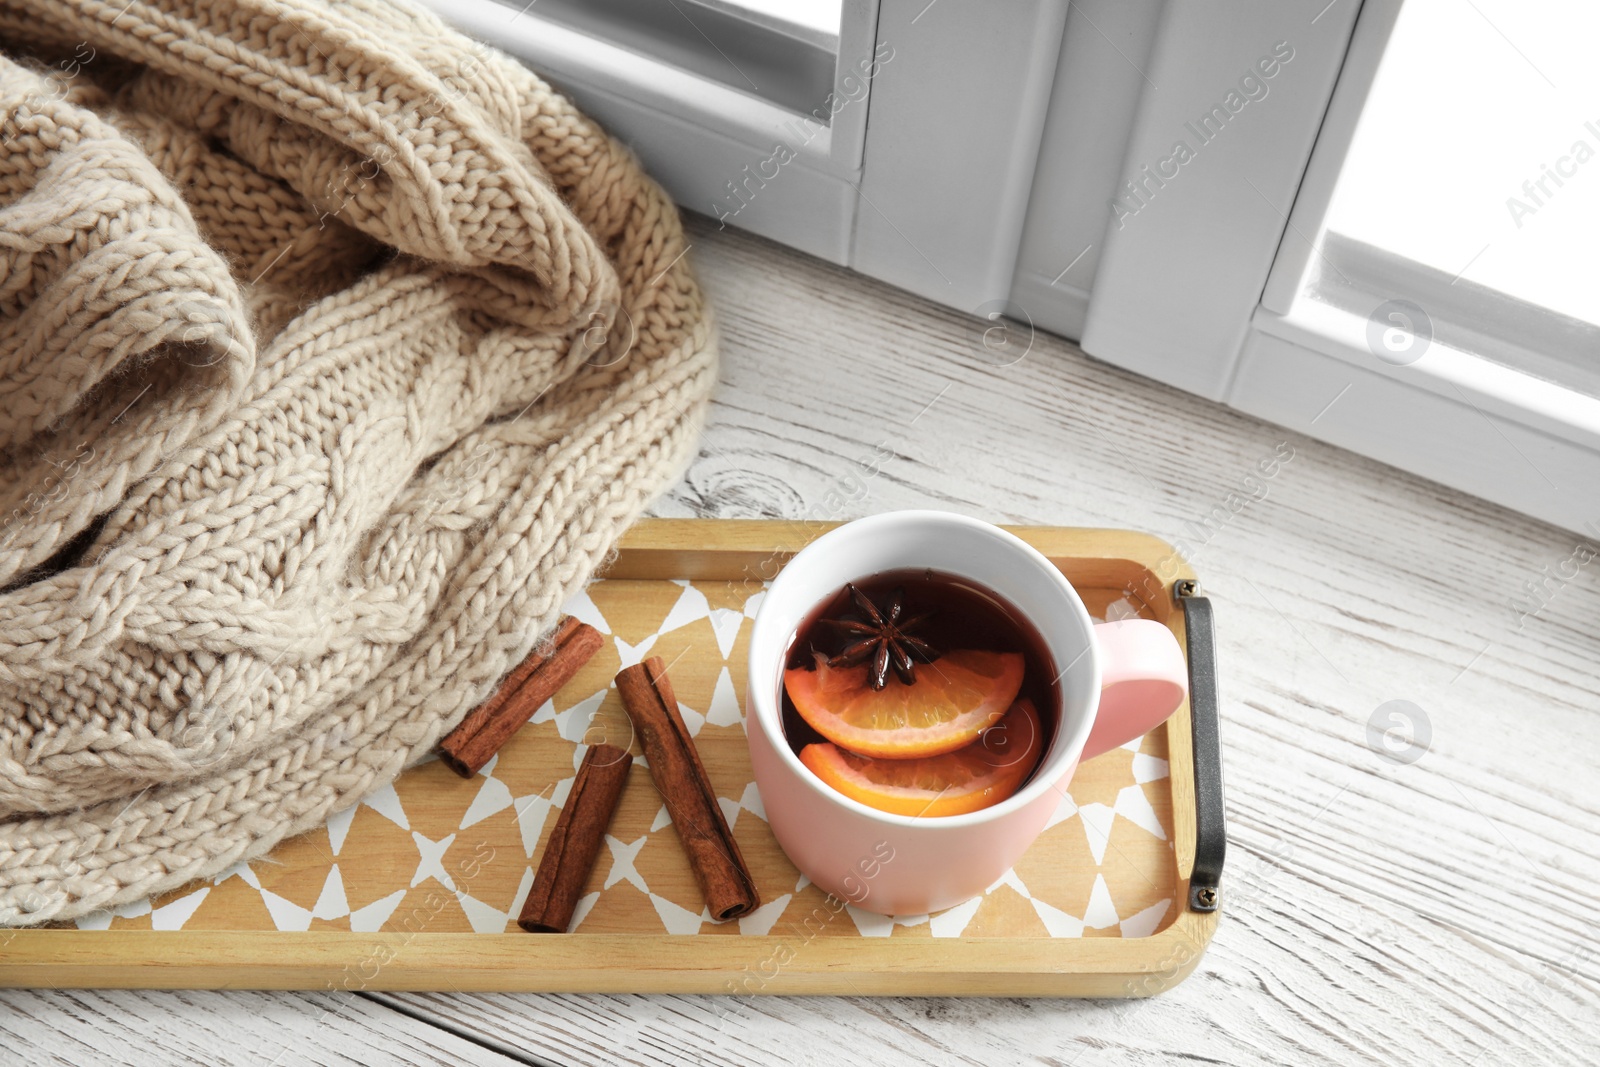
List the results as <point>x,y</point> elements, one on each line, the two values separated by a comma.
<point>286,914</point>
<point>870,923</point>
<point>725,623</point>
<point>750,800</point>
<point>1101,912</point>
<point>581,911</point>
<point>1097,819</point>
<point>1066,808</point>
<point>485,918</point>
<point>725,709</point>
<point>339,827</point>
<point>677,920</point>
<point>1144,923</point>
<point>331,903</point>
<point>173,916</point>
<point>133,910</point>
<point>632,654</point>
<point>691,606</point>
<point>952,921</point>
<point>532,811</point>
<point>1058,922</point>
<point>494,795</point>
<point>386,802</point>
<point>692,720</point>
<point>370,919</point>
<point>574,723</point>
<point>580,607</point>
<point>241,871</point>
<point>760,922</point>
<point>1149,768</point>
<point>1134,806</point>
<point>514,905</point>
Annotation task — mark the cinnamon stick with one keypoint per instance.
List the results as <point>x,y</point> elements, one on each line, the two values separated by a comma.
<point>533,681</point>
<point>570,853</point>
<point>681,779</point>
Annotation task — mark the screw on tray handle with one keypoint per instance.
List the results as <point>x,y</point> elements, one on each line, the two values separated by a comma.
<point>1210,816</point>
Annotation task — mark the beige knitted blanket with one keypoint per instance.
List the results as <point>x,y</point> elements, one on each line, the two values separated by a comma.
<point>336,351</point>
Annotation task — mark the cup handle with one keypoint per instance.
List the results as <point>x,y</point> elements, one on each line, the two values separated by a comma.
<point>1143,679</point>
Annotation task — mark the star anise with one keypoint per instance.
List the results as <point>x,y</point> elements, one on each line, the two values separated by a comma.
<point>883,637</point>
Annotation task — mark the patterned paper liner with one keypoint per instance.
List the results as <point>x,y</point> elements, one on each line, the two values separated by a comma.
<point>435,853</point>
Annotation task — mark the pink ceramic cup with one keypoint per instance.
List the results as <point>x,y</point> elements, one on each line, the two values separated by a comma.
<point>1118,680</point>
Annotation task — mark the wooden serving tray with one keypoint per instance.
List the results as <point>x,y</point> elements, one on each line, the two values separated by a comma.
<point>419,886</point>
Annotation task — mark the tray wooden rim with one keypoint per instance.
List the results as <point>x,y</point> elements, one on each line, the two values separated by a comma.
<point>664,963</point>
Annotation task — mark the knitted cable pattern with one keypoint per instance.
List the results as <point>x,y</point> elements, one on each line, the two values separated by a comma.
<point>336,351</point>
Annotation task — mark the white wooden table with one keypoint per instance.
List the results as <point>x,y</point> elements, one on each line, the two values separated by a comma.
<point>1435,909</point>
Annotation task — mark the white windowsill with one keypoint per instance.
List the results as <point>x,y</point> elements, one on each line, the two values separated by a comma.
<point>1444,371</point>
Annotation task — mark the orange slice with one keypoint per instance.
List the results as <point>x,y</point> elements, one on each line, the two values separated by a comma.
<point>984,773</point>
<point>953,700</point>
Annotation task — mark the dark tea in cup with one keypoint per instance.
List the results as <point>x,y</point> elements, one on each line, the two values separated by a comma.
<point>920,692</point>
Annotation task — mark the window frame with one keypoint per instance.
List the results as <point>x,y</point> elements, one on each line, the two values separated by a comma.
<point>1223,320</point>
<point>887,196</point>
<point>943,171</point>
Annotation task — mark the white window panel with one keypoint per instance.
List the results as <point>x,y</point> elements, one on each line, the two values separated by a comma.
<point>731,105</point>
<point>1478,153</point>
<point>1099,79</point>
<point>1233,97</point>
<point>957,118</point>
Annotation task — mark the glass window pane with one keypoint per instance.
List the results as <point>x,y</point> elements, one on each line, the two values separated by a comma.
<point>821,16</point>
<point>782,51</point>
<point>1478,151</point>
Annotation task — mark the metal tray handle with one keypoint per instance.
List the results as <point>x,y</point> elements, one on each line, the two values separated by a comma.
<point>1210,815</point>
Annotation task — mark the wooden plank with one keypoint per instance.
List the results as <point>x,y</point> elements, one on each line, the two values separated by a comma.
<point>72,1028</point>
